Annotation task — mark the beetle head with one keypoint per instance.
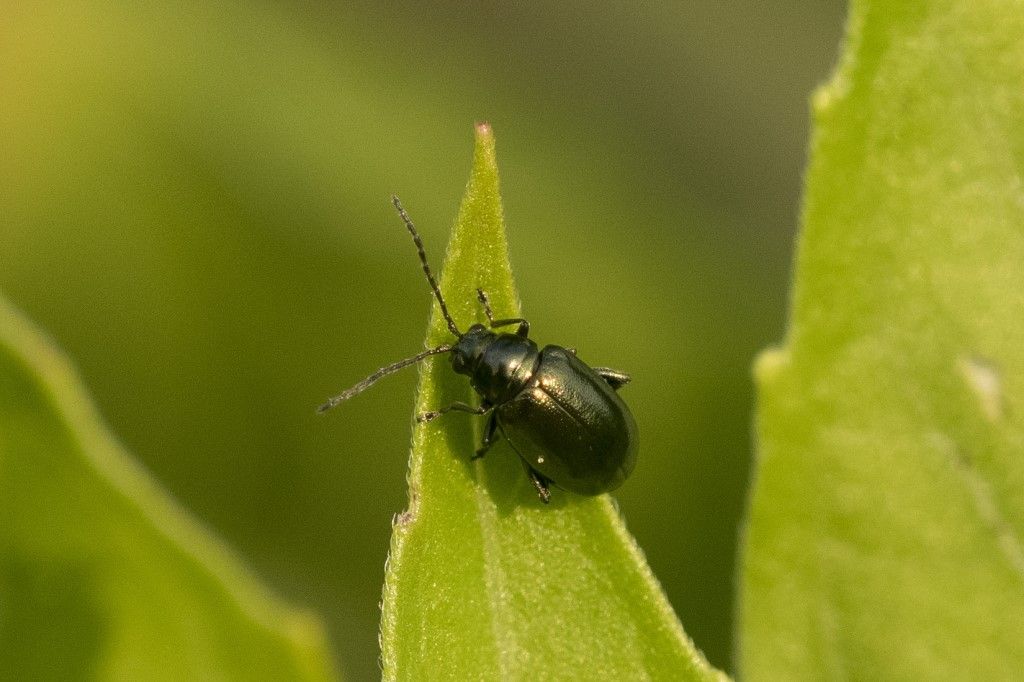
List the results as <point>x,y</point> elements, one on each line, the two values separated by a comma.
<point>470,348</point>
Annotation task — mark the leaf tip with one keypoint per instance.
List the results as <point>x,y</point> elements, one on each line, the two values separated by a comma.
<point>483,129</point>
<point>483,154</point>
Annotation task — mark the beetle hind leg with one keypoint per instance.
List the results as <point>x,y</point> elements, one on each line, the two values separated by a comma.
<point>540,483</point>
<point>614,377</point>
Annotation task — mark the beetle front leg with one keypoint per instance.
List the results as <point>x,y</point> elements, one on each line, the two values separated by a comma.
<point>524,326</point>
<point>484,408</point>
<point>491,435</point>
<point>614,377</point>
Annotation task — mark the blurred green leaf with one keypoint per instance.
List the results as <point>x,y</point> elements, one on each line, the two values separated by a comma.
<point>484,581</point>
<point>885,532</point>
<point>101,574</point>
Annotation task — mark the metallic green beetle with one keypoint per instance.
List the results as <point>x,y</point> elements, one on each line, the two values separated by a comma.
<point>563,417</point>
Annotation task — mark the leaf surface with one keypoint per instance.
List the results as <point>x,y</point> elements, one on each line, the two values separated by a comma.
<point>484,581</point>
<point>885,533</point>
<point>102,576</point>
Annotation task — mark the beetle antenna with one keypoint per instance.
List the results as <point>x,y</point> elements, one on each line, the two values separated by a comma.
<point>426,267</point>
<point>379,374</point>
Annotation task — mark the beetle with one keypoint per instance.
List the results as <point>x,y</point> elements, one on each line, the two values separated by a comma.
<point>562,417</point>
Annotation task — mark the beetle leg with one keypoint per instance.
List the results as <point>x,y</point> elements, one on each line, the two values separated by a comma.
<point>524,326</point>
<point>491,436</point>
<point>614,377</point>
<point>454,407</point>
<point>540,483</point>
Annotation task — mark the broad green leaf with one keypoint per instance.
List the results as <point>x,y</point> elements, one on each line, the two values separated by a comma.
<point>885,538</point>
<point>484,581</point>
<point>102,576</point>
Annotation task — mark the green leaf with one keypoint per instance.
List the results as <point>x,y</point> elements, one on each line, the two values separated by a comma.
<point>885,538</point>
<point>102,576</point>
<point>484,581</point>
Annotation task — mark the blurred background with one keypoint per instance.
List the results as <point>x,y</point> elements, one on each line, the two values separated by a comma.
<point>194,203</point>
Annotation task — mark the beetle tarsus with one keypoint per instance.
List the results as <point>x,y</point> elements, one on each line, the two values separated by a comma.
<point>539,482</point>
